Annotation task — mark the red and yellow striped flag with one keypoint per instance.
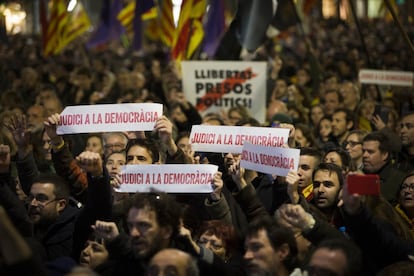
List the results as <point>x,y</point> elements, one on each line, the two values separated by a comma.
<point>126,15</point>
<point>189,33</point>
<point>166,22</point>
<point>58,20</point>
<point>78,24</point>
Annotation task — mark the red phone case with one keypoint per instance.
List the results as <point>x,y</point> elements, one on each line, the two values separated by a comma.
<point>368,184</point>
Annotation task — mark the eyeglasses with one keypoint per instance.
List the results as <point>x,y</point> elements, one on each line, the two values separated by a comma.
<point>41,199</point>
<point>351,143</point>
<point>114,146</point>
<point>407,187</point>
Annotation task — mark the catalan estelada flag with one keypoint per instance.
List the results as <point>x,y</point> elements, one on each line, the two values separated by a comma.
<point>166,22</point>
<point>132,17</point>
<point>78,24</point>
<point>189,33</point>
<point>63,26</point>
<point>57,23</point>
<point>126,15</point>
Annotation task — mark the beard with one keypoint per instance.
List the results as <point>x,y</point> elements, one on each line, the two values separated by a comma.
<point>143,249</point>
<point>40,220</point>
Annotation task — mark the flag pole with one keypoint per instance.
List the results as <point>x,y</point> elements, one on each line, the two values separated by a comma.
<point>399,25</point>
<point>361,37</point>
<point>309,48</point>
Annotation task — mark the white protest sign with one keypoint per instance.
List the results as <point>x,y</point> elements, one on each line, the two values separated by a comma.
<point>209,138</point>
<point>383,77</point>
<point>269,160</point>
<point>109,118</point>
<point>169,178</point>
<point>213,86</point>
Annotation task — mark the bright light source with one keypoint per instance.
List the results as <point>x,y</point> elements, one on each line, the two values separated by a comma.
<point>72,5</point>
<point>14,17</point>
<point>176,10</point>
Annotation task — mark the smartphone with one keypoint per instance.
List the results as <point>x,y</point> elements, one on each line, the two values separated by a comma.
<point>366,184</point>
<point>382,111</point>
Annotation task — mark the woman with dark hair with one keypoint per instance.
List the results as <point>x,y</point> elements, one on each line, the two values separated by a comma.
<point>316,114</point>
<point>183,142</point>
<point>304,136</point>
<point>341,158</point>
<point>216,245</point>
<point>237,113</point>
<point>405,206</point>
<point>94,143</point>
<point>219,237</point>
<point>323,133</point>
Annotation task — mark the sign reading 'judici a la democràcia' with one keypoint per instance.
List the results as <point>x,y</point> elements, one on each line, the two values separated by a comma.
<point>271,160</point>
<point>109,118</point>
<point>210,138</point>
<point>386,77</point>
<point>169,178</point>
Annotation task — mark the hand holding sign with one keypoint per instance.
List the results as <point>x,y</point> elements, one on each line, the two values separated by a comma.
<point>237,175</point>
<point>292,179</point>
<point>116,181</point>
<point>164,127</point>
<point>217,186</point>
<point>292,130</point>
<point>50,127</point>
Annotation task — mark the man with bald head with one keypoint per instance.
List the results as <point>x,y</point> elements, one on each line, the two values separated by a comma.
<point>172,261</point>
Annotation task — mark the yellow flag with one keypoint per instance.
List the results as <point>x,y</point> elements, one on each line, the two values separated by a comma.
<point>78,24</point>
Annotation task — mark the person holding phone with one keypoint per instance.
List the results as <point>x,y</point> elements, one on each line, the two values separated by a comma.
<point>369,220</point>
<point>377,159</point>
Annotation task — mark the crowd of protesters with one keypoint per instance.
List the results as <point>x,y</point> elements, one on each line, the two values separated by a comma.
<point>60,213</point>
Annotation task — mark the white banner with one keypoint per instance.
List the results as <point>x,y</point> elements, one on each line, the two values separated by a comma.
<point>169,178</point>
<point>208,138</point>
<point>269,160</point>
<point>109,118</point>
<point>213,86</point>
<point>382,77</point>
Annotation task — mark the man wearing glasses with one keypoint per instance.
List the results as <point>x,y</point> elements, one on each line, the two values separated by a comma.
<point>114,141</point>
<point>53,218</point>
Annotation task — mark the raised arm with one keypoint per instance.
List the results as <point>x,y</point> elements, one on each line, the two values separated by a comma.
<point>164,128</point>
<point>215,203</point>
<point>63,161</point>
<point>245,194</point>
<point>26,165</point>
<point>98,205</point>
